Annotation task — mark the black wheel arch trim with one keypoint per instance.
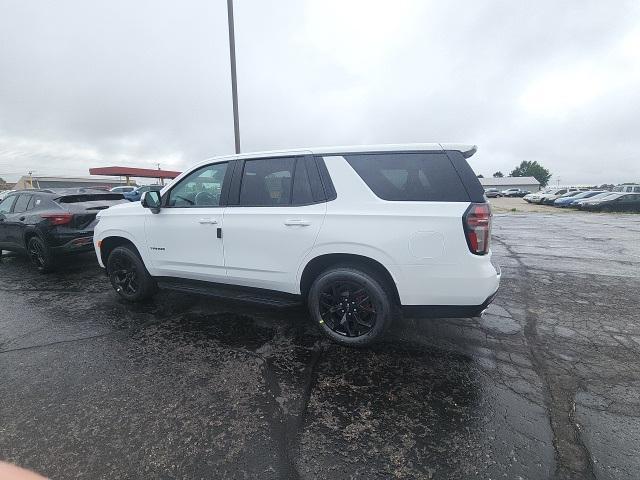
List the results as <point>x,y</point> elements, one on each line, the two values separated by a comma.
<point>112,242</point>
<point>315,266</point>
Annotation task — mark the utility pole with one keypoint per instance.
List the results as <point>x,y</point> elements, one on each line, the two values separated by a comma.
<point>234,85</point>
<point>160,178</point>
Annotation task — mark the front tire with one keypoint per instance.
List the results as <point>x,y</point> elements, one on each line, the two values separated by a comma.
<point>40,255</point>
<point>128,275</point>
<point>352,307</point>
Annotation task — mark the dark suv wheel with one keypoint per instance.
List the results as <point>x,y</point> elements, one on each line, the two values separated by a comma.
<point>351,306</point>
<point>128,275</point>
<point>40,255</point>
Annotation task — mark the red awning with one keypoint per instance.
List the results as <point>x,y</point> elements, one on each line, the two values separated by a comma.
<point>133,172</point>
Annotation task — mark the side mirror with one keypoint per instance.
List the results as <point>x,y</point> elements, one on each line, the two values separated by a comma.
<point>151,200</point>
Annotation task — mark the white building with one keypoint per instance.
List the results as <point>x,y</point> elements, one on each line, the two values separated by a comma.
<point>67,182</point>
<point>503,183</point>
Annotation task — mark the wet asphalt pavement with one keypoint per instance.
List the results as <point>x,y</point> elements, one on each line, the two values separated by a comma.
<point>545,385</point>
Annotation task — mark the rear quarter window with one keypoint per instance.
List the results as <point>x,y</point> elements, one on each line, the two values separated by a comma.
<point>410,176</point>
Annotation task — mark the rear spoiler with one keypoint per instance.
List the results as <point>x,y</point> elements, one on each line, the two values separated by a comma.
<point>89,197</point>
<point>466,150</point>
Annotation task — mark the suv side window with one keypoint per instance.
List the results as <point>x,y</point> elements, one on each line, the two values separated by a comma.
<point>267,182</point>
<point>21,203</point>
<point>7,203</point>
<point>410,176</point>
<point>201,188</point>
<point>35,202</point>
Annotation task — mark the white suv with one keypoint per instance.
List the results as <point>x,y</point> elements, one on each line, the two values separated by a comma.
<point>357,233</point>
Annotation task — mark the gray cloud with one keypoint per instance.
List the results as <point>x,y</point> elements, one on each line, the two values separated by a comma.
<point>96,83</point>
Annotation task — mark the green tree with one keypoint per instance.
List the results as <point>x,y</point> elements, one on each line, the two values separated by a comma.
<point>498,174</point>
<point>532,169</point>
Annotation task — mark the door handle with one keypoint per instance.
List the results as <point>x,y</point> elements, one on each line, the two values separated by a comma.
<point>296,222</point>
<point>22,219</point>
<point>208,221</point>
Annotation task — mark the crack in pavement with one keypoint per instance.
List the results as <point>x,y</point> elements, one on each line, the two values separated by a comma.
<point>43,345</point>
<point>277,421</point>
<point>286,424</point>
<point>573,460</point>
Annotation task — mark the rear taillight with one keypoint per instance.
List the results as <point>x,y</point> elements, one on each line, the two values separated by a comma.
<point>477,227</point>
<point>58,218</point>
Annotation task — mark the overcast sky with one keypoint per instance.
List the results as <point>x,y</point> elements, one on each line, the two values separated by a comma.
<point>97,83</point>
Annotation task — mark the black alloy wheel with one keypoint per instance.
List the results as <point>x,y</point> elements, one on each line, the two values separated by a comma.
<point>124,276</point>
<point>347,309</point>
<point>351,305</point>
<point>39,255</point>
<point>128,275</point>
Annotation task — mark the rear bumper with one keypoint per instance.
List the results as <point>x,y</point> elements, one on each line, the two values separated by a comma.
<point>446,311</point>
<point>76,245</point>
<point>456,311</point>
<point>466,283</point>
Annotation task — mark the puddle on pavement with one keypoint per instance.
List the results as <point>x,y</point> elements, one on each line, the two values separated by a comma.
<point>431,400</point>
<point>237,331</point>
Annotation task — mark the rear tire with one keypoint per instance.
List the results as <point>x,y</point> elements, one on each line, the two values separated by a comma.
<point>40,255</point>
<point>128,275</point>
<point>351,306</point>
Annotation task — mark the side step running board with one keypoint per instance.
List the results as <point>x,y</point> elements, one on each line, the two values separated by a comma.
<point>229,292</point>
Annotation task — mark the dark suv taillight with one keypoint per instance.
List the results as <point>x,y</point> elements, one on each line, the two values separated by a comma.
<point>58,218</point>
<point>477,227</point>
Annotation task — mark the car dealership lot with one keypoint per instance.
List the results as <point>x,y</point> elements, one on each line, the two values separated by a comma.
<point>546,383</point>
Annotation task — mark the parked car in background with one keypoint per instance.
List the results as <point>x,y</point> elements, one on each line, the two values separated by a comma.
<point>550,200</point>
<point>529,197</point>
<point>579,201</point>
<point>627,188</point>
<point>551,197</point>
<point>614,202</point>
<point>4,193</point>
<point>46,224</point>
<point>567,201</point>
<point>538,197</point>
<point>123,189</point>
<point>136,194</point>
<point>356,233</point>
<point>492,193</point>
<point>515,192</point>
